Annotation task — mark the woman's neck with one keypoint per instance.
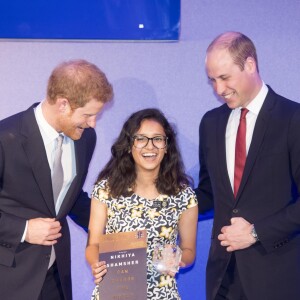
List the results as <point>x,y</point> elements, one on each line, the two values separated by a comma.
<point>145,186</point>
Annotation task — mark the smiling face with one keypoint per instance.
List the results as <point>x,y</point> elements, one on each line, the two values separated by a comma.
<point>149,158</point>
<point>73,122</point>
<point>235,86</point>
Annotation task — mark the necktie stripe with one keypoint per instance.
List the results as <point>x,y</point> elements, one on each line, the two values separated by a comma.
<point>240,151</point>
<point>57,172</point>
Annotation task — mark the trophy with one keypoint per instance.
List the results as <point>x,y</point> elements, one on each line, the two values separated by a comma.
<point>166,258</point>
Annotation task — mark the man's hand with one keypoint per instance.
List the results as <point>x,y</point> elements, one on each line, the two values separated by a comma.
<point>43,231</point>
<point>237,236</point>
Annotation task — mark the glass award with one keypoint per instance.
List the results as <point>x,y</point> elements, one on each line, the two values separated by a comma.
<point>166,258</point>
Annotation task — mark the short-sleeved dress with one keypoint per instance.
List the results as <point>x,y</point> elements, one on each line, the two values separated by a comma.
<point>161,222</point>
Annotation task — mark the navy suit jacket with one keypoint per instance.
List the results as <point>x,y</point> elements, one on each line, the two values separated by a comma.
<point>26,193</point>
<point>268,197</point>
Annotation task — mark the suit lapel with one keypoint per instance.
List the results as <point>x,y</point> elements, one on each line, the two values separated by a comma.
<point>35,151</point>
<point>257,138</point>
<point>221,148</point>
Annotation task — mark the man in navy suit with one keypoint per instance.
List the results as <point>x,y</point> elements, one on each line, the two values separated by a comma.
<point>35,261</point>
<point>255,246</point>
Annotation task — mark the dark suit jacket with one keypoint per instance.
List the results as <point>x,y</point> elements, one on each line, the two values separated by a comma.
<point>26,193</point>
<point>268,197</point>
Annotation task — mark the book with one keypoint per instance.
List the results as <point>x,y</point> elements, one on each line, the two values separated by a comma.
<point>125,254</point>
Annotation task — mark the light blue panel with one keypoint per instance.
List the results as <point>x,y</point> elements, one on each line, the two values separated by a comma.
<point>170,76</point>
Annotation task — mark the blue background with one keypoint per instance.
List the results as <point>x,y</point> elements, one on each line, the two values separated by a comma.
<point>90,19</point>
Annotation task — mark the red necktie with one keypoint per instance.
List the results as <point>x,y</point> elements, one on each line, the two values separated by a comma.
<point>240,151</point>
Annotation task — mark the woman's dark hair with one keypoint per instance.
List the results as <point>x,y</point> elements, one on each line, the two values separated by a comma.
<point>120,170</point>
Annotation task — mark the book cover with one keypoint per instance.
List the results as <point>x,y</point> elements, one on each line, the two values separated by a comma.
<point>125,254</point>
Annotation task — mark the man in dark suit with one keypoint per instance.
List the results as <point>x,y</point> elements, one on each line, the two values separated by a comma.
<point>250,173</point>
<point>34,235</point>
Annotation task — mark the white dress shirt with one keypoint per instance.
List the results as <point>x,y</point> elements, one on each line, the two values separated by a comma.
<point>232,126</point>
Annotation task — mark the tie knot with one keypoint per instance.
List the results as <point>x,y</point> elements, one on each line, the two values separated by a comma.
<point>59,141</point>
<point>244,112</point>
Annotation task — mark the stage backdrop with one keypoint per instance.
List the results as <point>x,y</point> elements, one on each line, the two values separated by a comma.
<point>169,76</point>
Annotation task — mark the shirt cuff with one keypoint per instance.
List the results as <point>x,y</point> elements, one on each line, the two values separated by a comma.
<point>25,231</point>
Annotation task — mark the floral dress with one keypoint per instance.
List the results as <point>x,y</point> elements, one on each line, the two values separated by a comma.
<point>159,217</point>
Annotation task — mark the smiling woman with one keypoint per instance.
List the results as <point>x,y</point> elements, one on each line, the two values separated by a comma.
<point>144,186</point>
<point>148,156</point>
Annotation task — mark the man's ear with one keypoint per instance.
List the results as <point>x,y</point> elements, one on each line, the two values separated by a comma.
<point>250,65</point>
<point>63,105</point>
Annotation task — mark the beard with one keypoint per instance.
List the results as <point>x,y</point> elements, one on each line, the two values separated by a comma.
<point>69,128</point>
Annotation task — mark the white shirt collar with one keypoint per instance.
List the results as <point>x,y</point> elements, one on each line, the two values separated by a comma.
<point>48,133</point>
<point>255,105</point>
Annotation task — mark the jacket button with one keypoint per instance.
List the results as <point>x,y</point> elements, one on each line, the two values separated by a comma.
<point>235,211</point>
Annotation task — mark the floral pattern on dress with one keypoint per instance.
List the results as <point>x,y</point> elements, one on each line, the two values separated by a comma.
<point>134,212</point>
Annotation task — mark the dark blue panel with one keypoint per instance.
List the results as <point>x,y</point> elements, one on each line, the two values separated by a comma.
<point>90,19</point>
<point>206,216</point>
